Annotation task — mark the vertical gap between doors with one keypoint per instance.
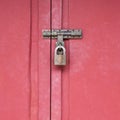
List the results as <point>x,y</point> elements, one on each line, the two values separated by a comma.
<point>29,64</point>
<point>50,61</point>
<point>62,68</point>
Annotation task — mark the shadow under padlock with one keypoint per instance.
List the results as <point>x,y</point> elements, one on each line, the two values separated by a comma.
<point>60,56</point>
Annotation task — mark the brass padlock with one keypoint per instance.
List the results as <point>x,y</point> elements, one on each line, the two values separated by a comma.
<point>60,56</point>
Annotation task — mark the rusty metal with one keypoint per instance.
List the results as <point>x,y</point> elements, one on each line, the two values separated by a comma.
<point>60,35</point>
<point>67,34</point>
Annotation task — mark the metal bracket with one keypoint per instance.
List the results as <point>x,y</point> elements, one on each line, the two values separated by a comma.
<point>62,34</point>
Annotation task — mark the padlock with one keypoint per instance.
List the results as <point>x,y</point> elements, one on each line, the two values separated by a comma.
<point>60,55</point>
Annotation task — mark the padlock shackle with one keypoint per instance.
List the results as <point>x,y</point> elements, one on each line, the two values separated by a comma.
<point>60,47</point>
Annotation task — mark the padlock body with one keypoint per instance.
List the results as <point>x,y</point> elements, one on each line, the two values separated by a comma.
<point>60,59</point>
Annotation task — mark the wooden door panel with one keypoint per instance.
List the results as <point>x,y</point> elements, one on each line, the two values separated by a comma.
<point>14,59</point>
<point>31,87</point>
<point>94,88</point>
<point>24,60</point>
<point>44,52</point>
<point>56,72</point>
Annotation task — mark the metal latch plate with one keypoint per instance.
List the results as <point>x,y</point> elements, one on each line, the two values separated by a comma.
<point>67,34</point>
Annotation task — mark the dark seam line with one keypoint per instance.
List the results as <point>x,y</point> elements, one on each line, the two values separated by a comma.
<point>38,59</point>
<point>50,61</point>
<point>61,14</point>
<point>29,57</point>
<point>63,67</point>
<point>68,20</point>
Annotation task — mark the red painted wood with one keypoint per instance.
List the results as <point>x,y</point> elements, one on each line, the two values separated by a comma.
<point>14,60</point>
<point>24,60</point>
<point>44,61</point>
<point>34,79</point>
<point>94,67</point>
<point>65,71</point>
<point>25,64</point>
<point>56,72</point>
<point>87,88</point>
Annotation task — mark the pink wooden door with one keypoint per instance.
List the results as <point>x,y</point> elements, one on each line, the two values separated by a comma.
<point>14,59</point>
<point>32,88</point>
<point>24,60</point>
<point>91,80</point>
<point>88,87</point>
<point>24,77</point>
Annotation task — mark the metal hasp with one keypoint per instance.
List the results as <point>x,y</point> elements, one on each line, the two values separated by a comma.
<point>67,34</point>
<point>60,35</point>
